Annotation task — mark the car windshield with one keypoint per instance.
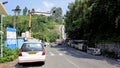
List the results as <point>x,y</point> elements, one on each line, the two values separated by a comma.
<point>31,47</point>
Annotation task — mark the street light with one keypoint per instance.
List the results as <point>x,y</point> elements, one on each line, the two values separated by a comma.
<point>5,2</point>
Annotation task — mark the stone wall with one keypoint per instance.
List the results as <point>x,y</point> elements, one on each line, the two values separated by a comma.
<point>111,47</point>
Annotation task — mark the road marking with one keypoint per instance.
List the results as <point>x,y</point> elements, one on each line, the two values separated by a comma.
<point>64,52</point>
<point>72,63</point>
<point>52,54</point>
<point>60,54</point>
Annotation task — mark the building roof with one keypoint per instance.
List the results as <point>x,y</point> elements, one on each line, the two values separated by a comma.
<point>2,9</point>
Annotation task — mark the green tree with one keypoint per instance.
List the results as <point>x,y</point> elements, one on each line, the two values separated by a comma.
<point>93,20</point>
<point>42,26</point>
<point>25,11</point>
<point>33,10</point>
<point>57,14</point>
<point>28,12</point>
<point>17,9</point>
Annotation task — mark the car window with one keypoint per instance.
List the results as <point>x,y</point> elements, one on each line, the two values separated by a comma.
<point>32,47</point>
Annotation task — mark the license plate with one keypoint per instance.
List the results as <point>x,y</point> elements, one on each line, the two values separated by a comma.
<point>31,53</point>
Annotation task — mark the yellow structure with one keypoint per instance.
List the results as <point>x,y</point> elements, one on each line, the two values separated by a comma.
<point>30,20</point>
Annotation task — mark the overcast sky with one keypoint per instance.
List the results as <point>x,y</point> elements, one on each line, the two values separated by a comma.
<point>39,5</point>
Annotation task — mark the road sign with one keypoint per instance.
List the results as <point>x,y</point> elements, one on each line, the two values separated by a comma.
<point>11,38</point>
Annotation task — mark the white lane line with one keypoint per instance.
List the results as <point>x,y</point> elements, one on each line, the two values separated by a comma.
<point>72,63</point>
<point>52,54</point>
<point>64,52</point>
<point>60,54</point>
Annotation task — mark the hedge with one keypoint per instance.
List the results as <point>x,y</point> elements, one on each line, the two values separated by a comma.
<point>9,54</point>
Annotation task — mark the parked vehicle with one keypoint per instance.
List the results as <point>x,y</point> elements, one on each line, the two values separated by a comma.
<point>94,51</point>
<point>32,52</point>
<point>72,43</point>
<point>82,45</point>
<point>67,42</point>
<point>79,44</point>
<point>58,42</point>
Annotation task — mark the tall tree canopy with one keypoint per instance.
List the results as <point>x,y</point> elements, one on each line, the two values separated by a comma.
<point>25,11</point>
<point>17,9</point>
<point>57,14</point>
<point>93,20</point>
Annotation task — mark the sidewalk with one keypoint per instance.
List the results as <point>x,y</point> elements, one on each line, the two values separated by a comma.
<point>11,64</point>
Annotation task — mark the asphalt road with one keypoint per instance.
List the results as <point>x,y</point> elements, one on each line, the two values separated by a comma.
<point>66,57</point>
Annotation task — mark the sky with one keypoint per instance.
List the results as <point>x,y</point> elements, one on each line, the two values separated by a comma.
<point>38,5</point>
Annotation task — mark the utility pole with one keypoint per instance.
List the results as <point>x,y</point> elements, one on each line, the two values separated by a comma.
<point>14,23</point>
<point>15,16</point>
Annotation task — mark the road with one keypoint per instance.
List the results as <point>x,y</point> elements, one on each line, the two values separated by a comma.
<point>66,57</point>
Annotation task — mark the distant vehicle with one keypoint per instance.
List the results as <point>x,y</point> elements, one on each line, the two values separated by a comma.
<point>67,41</point>
<point>32,52</point>
<point>94,51</point>
<point>72,43</point>
<point>58,42</point>
<point>79,44</point>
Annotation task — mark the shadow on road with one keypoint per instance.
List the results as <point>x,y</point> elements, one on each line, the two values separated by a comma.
<point>27,65</point>
<point>79,54</point>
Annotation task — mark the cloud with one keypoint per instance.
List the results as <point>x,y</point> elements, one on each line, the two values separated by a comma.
<point>48,4</point>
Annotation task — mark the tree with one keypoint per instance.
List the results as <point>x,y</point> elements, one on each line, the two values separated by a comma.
<point>25,11</point>
<point>28,12</point>
<point>17,9</point>
<point>93,20</point>
<point>57,14</point>
<point>33,10</point>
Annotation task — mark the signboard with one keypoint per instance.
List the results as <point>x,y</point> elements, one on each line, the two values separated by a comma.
<point>11,38</point>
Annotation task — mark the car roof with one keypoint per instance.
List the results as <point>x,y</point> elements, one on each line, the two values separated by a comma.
<point>32,42</point>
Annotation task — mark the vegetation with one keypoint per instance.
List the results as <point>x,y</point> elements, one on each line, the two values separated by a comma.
<point>94,20</point>
<point>9,55</point>
<point>57,15</point>
<point>43,27</point>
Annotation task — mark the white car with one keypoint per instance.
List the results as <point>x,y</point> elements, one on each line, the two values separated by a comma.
<point>32,52</point>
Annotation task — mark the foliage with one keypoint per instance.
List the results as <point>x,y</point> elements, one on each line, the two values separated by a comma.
<point>43,27</point>
<point>93,20</point>
<point>57,15</point>
<point>25,11</point>
<point>17,9</point>
<point>9,55</point>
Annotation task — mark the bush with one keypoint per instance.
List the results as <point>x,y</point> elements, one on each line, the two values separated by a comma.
<point>9,54</point>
